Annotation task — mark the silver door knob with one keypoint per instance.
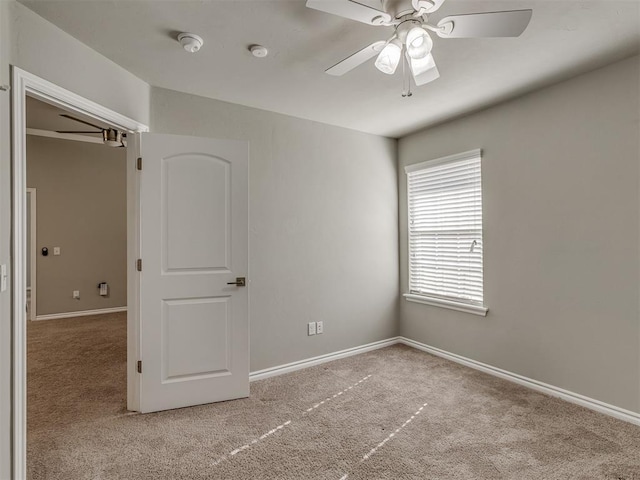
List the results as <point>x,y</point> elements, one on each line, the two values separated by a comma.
<point>240,282</point>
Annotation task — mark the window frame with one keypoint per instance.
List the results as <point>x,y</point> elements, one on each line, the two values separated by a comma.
<point>435,300</point>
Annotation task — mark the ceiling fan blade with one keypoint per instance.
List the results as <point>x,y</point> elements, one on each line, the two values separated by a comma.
<point>491,24</point>
<point>426,6</point>
<point>356,59</point>
<point>65,115</point>
<point>77,131</point>
<point>423,70</point>
<point>351,9</point>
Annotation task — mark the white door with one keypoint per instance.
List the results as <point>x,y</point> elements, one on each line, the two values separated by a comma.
<point>194,324</point>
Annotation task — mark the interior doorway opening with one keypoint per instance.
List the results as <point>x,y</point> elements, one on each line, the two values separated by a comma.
<point>76,261</point>
<point>77,257</point>
<point>191,346</point>
<point>26,86</point>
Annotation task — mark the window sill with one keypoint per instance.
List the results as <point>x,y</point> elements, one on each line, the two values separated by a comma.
<point>439,302</point>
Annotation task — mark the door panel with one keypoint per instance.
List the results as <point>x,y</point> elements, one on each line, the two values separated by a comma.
<point>194,242</point>
<point>202,327</point>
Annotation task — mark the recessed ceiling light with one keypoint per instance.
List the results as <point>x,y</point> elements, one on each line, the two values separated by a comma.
<point>190,42</point>
<point>258,51</point>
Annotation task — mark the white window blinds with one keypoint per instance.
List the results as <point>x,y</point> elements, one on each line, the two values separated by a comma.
<point>445,228</point>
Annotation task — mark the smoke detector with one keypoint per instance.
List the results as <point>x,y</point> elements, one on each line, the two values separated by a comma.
<point>190,42</point>
<point>258,51</point>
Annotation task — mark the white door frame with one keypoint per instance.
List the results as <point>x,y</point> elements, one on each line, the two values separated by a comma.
<point>32,251</point>
<point>24,83</point>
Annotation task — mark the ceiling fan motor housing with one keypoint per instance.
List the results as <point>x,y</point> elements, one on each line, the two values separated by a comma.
<point>112,137</point>
<point>398,8</point>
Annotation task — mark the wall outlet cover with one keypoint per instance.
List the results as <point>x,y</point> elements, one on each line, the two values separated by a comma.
<point>319,327</point>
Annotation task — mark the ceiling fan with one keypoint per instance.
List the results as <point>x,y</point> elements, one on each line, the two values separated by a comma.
<point>410,43</point>
<point>110,136</point>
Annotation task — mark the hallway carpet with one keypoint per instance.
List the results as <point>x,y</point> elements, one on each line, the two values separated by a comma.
<point>395,413</point>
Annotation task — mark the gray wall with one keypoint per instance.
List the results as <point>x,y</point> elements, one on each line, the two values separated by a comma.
<point>323,235</point>
<point>561,208</point>
<point>41,48</point>
<point>5,243</point>
<point>81,208</point>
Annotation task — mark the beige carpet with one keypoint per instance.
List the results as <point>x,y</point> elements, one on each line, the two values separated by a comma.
<point>395,413</point>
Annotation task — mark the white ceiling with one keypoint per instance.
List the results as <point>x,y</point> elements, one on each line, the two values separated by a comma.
<point>565,37</point>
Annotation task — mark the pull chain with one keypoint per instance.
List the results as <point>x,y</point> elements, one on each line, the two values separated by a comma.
<point>406,79</point>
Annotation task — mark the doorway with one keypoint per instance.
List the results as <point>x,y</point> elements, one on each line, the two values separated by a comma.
<point>26,85</point>
<point>77,260</point>
<point>188,213</point>
<point>76,333</point>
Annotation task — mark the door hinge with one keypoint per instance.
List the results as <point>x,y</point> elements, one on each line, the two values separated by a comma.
<point>139,163</point>
<point>139,265</point>
<point>139,366</point>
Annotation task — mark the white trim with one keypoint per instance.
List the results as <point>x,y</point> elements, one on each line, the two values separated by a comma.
<point>133,287</point>
<point>64,136</point>
<point>19,393</point>
<point>48,92</point>
<point>329,357</point>
<point>80,313</point>
<point>24,83</point>
<point>583,401</point>
<point>471,154</point>
<point>450,304</point>
<point>576,398</point>
<point>33,289</point>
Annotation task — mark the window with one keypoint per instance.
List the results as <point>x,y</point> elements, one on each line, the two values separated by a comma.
<point>445,232</point>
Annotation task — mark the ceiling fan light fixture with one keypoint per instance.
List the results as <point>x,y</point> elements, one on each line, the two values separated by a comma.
<point>422,65</point>
<point>419,43</point>
<point>112,137</point>
<point>424,70</point>
<point>389,58</point>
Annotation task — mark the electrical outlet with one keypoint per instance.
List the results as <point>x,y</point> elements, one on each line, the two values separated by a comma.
<point>76,294</point>
<point>56,250</point>
<point>312,328</point>
<point>319,328</point>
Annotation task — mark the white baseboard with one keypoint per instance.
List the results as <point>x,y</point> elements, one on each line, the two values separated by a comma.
<point>81,313</point>
<point>590,403</point>
<point>576,398</point>
<point>310,362</point>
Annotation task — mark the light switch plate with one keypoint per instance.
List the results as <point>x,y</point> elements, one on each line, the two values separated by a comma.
<point>312,328</point>
<point>56,250</point>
